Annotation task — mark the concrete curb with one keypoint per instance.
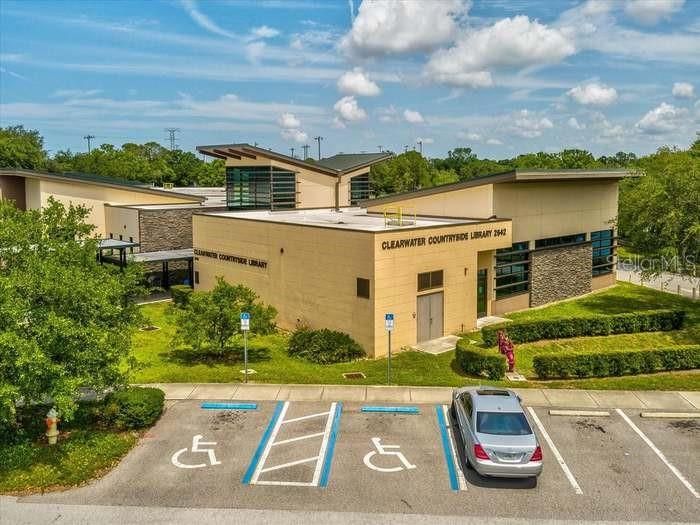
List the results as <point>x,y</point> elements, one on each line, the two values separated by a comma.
<point>585,400</point>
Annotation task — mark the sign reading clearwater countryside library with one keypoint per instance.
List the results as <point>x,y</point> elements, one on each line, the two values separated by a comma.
<point>443,238</point>
<point>248,261</point>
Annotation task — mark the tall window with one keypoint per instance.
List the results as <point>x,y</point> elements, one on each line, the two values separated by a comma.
<point>603,251</point>
<point>560,241</point>
<point>360,188</point>
<point>262,187</point>
<point>512,270</point>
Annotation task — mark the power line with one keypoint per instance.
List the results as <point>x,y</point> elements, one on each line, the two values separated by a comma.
<point>319,139</point>
<point>171,132</point>
<point>89,138</point>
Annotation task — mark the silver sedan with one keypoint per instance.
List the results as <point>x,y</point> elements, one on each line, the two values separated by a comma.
<point>497,436</point>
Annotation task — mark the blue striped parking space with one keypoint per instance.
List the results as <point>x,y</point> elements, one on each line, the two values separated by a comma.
<point>391,409</point>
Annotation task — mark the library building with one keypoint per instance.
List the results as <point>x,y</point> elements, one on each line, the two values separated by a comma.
<point>311,240</point>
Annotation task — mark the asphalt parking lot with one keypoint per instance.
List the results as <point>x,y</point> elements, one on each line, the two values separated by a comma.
<point>334,456</point>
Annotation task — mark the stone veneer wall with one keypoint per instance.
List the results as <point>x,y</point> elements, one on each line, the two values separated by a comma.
<point>559,273</point>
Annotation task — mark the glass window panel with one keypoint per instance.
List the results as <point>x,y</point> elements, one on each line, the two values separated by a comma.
<point>512,269</point>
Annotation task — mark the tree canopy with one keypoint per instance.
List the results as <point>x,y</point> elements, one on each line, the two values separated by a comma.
<point>65,320</point>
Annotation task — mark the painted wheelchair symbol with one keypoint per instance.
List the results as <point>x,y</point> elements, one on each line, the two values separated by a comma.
<point>382,450</point>
<point>196,444</point>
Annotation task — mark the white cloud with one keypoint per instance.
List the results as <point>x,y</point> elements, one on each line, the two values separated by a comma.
<point>254,51</point>
<point>510,43</point>
<point>357,82</point>
<point>527,124</point>
<point>289,121</point>
<point>424,140</point>
<point>296,135</point>
<point>264,32</point>
<point>494,142</point>
<point>384,27</point>
<point>348,111</point>
<point>683,90</point>
<point>75,93</point>
<point>573,123</point>
<point>388,114</point>
<point>469,136</point>
<point>414,117</point>
<point>650,12</point>
<point>593,94</point>
<point>204,21</point>
<point>662,119</point>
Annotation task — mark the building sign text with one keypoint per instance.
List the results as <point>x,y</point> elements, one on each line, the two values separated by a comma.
<point>443,238</point>
<point>247,261</point>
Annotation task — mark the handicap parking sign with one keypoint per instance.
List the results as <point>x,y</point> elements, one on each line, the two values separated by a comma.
<point>389,322</point>
<point>245,321</point>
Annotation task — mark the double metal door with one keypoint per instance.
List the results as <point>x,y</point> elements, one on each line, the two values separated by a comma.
<point>429,316</point>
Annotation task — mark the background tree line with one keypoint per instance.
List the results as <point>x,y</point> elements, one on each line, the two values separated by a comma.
<point>659,211</point>
<point>149,162</point>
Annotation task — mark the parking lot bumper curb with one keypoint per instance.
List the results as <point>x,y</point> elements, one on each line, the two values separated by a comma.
<point>686,402</point>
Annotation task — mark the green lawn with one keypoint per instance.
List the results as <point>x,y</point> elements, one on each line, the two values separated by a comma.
<point>158,363</point>
<point>77,458</point>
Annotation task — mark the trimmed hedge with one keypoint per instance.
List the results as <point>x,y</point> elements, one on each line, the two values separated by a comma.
<point>626,323</point>
<point>181,294</point>
<point>624,362</point>
<point>133,408</point>
<point>475,360</point>
<point>324,346</point>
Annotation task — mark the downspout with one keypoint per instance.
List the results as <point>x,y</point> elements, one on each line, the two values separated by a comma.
<point>337,194</point>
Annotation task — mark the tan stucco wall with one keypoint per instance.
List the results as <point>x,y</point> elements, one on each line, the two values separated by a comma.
<point>12,188</point>
<point>511,304</point>
<point>92,196</point>
<point>122,221</point>
<point>314,280</point>
<point>396,284</point>
<point>473,202</point>
<point>604,281</point>
<point>550,209</point>
<point>32,193</point>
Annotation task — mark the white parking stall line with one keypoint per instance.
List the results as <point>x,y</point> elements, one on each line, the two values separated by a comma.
<point>460,474</point>
<point>290,464</point>
<point>324,443</point>
<point>286,483</point>
<point>302,418</point>
<point>660,454</point>
<point>268,446</point>
<point>555,451</point>
<point>299,438</point>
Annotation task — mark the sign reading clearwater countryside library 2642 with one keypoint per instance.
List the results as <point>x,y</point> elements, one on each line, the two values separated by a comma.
<point>248,261</point>
<point>444,238</point>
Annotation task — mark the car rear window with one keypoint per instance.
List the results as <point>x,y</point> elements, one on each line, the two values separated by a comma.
<point>502,423</point>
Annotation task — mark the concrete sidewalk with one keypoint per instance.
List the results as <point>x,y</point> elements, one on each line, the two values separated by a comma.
<point>652,400</point>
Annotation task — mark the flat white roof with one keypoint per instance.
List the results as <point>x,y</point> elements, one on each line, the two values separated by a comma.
<point>344,219</point>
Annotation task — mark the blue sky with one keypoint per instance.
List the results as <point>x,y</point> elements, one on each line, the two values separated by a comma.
<point>501,76</point>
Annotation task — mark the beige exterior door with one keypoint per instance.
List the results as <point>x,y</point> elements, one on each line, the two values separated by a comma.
<point>429,316</point>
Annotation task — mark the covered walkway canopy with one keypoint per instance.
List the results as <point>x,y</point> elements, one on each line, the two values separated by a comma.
<point>163,256</point>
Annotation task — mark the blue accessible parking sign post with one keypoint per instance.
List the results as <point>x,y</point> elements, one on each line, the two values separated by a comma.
<point>389,325</point>
<point>245,326</point>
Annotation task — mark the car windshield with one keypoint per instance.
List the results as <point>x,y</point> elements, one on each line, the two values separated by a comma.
<point>502,423</point>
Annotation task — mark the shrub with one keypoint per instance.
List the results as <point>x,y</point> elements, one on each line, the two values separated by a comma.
<point>181,294</point>
<point>324,346</point>
<point>623,362</point>
<point>625,323</point>
<point>133,408</point>
<point>475,360</point>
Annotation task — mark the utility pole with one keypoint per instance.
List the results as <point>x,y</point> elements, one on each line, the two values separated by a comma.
<point>380,148</point>
<point>306,151</point>
<point>171,132</point>
<point>292,150</point>
<point>89,138</point>
<point>405,148</point>
<point>420,145</point>
<point>319,139</point>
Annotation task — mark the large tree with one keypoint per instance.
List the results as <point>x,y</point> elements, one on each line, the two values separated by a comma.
<point>660,211</point>
<point>21,148</point>
<point>65,320</point>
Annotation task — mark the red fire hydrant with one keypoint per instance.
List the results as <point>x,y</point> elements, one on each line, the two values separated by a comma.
<point>505,346</point>
<point>52,426</point>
